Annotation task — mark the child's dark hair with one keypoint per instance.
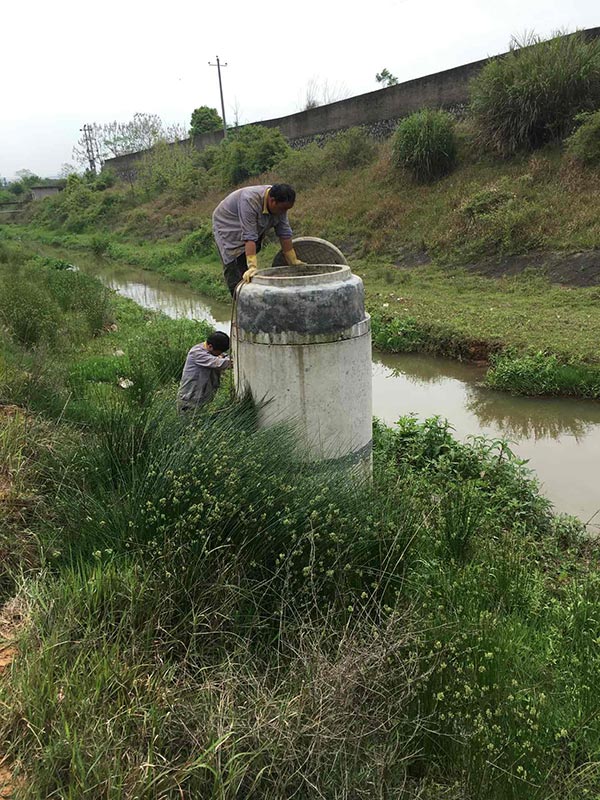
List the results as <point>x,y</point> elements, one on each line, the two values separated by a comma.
<point>282,193</point>
<point>219,341</point>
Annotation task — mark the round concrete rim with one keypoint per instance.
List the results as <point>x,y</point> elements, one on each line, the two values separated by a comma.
<point>331,273</point>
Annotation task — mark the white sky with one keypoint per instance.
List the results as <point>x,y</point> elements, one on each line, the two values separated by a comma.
<point>66,63</point>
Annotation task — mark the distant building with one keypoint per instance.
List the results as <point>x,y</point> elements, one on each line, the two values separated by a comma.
<point>39,192</point>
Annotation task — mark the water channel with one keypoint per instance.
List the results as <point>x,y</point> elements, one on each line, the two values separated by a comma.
<point>559,437</point>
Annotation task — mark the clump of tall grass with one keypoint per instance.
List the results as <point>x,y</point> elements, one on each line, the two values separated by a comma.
<point>530,96</point>
<point>349,149</point>
<point>41,304</point>
<point>224,621</point>
<point>501,218</point>
<point>27,445</point>
<point>542,373</point>
<point>425,145</point>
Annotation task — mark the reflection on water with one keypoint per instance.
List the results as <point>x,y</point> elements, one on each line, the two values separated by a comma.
<point>150,291</point>
<point>538,419</point>
<point>559,437</point>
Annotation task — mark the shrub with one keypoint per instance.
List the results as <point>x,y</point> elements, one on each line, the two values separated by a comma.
<point>351,148</point>
<point>248,151</point>
<point>82,296</point>
<point>500,218</point>
<point>486,201</point>
<point>530,96</point>
<point>29,313</point>
<point>425,144</point>
<point>583,146</point>
<point>99,243</point>
<point>105,180</point>
<point>198,243</point>
<point>171,167</point>
<point>302,168</point>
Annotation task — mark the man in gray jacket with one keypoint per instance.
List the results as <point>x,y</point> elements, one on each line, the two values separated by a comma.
<point>240,222</point>
<point>202,372</point>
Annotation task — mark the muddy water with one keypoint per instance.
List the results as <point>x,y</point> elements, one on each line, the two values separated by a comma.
<point>559,437</point>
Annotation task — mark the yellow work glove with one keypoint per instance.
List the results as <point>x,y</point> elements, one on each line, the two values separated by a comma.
<point>292,259</point>
<point>252,263</point>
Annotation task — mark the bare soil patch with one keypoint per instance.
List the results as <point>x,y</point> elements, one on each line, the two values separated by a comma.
<point>570,269</point>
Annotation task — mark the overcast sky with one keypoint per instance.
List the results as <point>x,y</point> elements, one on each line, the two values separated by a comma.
<point>67,63</point>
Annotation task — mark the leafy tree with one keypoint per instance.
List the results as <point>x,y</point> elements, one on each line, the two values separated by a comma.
<point>119,138</point>
<point>28,178</point>
<point>171,168</point>
<point>205,119</point>
<point>385,78</point>
<point>248,151</point>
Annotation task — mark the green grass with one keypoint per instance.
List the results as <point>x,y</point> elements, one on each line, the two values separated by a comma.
<point>524,312</point>
<point>207,617</point>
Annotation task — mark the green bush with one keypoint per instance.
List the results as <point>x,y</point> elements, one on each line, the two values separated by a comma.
<point>425,145</point>
<point>302,168</point>
<point>248,151</point>
<point>99,243</point>
<point>81,206</point>
<point>583,146</point>
<point>530,96</point>
<point>81,295</point>
<point>500,218</point>
<point>199,242</point>
<point>39,303</point>
<point>172,168</point>
<point>351,148</point>
<point>30,314</point>
<point>541,373</point>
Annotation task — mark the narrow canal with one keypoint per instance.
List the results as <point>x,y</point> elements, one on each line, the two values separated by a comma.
<point>559,437</point>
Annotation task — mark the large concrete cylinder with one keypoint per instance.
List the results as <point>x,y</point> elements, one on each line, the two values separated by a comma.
<point>302,347</point>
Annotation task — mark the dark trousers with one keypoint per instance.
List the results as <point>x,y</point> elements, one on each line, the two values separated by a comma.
<point>234,271</point>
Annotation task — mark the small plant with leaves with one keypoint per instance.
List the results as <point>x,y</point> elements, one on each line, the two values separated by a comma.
<point>583,146</point>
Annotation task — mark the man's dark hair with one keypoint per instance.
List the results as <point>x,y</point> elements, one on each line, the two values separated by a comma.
<point>219,341</point>
<point>283,193</point>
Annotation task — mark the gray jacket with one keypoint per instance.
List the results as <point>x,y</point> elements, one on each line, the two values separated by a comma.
<point>200,378</point>
<point>242,217</point>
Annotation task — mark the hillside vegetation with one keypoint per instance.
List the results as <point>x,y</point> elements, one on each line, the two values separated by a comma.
<point>475,239</point>
<point>202,616</point>
<point>193,612</point>
<point>462,267</point>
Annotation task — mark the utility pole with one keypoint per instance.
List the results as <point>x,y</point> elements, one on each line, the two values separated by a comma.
<point>92,152</point>
<point>218,65</point>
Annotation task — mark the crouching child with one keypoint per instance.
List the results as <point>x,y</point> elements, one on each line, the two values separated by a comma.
<point>202,372</point>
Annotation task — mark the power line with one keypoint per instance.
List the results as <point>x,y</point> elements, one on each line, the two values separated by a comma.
<point>218,65</point>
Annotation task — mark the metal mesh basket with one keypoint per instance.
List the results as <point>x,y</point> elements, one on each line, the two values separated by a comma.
<point>312,250</point>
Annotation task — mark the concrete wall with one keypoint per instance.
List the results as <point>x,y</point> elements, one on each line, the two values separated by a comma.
<point>378,111</point>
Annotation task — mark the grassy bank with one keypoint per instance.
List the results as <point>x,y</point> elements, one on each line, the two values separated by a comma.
<point>539,337</point>
<point>205,617</point>
<point>495,260</point>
